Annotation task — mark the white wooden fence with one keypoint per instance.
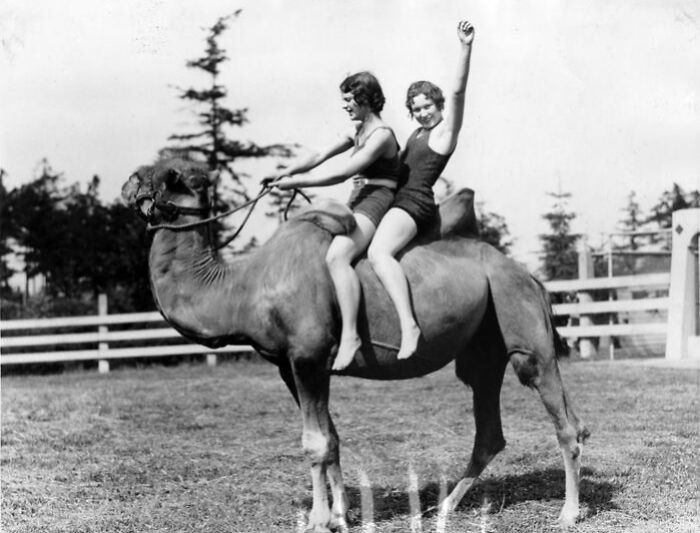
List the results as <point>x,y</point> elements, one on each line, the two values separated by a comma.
<point>585,308</point>
<point>107,343</point>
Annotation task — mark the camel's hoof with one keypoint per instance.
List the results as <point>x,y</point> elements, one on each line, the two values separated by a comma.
<point>447,506</point>
<point>568,516</point>
<point>339,524</point>
<point>317,529</point>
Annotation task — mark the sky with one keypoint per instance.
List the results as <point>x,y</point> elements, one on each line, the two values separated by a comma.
<point>595,98</point>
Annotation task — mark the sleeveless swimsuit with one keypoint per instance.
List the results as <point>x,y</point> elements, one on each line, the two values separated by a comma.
<point>421,166</point>
<point>373,200</point>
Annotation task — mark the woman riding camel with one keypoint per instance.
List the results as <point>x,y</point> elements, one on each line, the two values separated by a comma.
<point>427,151</point>
<point>374,166</point>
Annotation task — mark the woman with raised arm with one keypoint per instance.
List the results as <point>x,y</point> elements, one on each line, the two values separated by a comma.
<point>374,166</point>
<point>424,157</point>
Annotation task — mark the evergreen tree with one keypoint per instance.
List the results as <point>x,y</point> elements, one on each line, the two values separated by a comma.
<point>78,245</point>
<point>493,229</point>
<point>126,274</point>
<point>559,258</point>
<point>632,222</point>
<point>32,212</point>
<point>211,142</point>
<point>671,200</point>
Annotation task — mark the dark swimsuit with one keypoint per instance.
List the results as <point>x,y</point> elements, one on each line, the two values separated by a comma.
<point>368,197</point>
<point>421,167</point>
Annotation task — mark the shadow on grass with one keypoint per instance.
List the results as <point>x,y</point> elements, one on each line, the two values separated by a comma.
<point>503,492</point>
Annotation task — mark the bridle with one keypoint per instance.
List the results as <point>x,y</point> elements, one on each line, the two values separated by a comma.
<point>172,211</point>
<point>169,209</point>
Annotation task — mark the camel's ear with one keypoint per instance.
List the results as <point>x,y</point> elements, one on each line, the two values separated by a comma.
<point>131,188</point>
<point>173,177</point>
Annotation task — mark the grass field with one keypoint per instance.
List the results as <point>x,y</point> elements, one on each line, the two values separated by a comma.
<point>201,449</point>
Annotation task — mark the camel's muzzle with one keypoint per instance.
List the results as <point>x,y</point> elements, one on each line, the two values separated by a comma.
<point>146,205</point>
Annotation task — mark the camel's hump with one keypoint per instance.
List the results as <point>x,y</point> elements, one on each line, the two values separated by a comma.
<point>334,217</point>
<point>457,216</point>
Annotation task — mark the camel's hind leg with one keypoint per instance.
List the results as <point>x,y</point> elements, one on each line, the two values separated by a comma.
<point>544,376</point>
<point>482,368</point>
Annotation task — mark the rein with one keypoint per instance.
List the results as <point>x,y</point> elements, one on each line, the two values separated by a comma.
<point>174,210</point>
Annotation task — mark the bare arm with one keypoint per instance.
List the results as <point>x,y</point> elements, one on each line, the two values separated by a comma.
<point>445,138</point>
<point>375,147</point>
<point>316,158</point>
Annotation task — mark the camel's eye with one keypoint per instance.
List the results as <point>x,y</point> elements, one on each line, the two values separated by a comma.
<point>196,182</point>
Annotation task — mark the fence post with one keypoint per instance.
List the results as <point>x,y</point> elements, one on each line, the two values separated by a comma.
<point>212,359</point>
<point>682,312</point>
<point>586,346</point>
<point>102,347</point>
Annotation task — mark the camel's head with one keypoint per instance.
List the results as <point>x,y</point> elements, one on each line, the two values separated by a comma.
<point>169,189</point>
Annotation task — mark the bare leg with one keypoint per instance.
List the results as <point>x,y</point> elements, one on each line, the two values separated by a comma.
<point>342,251</point>
<point>395,231</point>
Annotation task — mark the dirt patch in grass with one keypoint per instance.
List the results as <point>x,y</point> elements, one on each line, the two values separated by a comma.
<point>195,448</point>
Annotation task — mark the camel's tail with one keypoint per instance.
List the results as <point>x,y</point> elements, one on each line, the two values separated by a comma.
<point>561,348</point>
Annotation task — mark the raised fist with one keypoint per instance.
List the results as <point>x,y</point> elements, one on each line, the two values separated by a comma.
<point>465,32</point>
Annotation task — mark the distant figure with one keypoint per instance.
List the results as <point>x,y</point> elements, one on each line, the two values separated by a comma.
<point>374,166</point>
<point>427,151</point>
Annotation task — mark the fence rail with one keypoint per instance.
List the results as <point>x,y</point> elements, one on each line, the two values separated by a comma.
<point>611,306</point>
<point>585,308</point>
<point>77,321</point>
<point>118,353</point>
<point>107,343</point>
<point>102,339</point>
<point>617,282</point>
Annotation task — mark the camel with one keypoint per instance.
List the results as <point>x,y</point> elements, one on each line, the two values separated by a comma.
<point>474,305</point>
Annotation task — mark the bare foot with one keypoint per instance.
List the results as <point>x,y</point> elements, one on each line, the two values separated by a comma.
<point>346,352</point>
<point>409,342</point>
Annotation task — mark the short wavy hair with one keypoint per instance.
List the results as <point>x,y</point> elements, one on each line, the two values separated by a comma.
<point>427,89</point>
<point>366,90</point>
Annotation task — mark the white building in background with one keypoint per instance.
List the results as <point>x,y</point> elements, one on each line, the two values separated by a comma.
<point>18,281</point>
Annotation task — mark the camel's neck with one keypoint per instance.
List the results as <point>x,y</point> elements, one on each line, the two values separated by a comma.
<point>200,295</point>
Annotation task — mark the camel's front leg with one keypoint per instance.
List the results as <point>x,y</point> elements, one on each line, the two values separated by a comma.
<point>320,442</point>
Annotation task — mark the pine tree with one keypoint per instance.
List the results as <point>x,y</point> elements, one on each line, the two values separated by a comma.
<point>560,258</point>
<point>632,222</point>
<point>493,229</point>
<point>671,200</point>
<point>211,142</point>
